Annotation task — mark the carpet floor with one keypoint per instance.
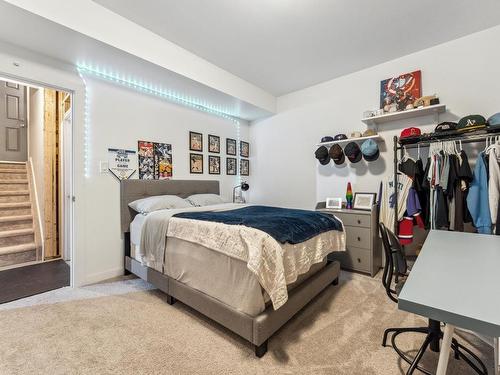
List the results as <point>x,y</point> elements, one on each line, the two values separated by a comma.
<point>340,332</point>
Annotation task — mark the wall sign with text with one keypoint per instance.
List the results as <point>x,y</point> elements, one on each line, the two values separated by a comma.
<point>121,163</point>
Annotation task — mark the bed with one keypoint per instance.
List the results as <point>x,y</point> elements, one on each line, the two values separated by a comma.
<point>189,270</point>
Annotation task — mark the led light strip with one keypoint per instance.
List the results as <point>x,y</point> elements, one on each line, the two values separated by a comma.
<point>148,89</point>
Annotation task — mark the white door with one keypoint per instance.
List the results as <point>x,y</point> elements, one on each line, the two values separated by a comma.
<point>13,134</point>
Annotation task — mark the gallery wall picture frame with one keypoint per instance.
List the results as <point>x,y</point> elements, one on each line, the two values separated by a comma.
<point>244,149</point>
<point>213,164</point>
<point>214,143</point>
<point>334,203</point>
<point>231,146</point>
<point>231,166</point>
<point>196,163</point>
<point>364,201</point>
<point>195,141</point>
<point>244,167</point>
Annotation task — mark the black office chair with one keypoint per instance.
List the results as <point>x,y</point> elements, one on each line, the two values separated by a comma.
<point>397,267</point>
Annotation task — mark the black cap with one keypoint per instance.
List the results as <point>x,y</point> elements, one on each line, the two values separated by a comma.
<point>337,154</point>
<point>326,139</point>
<point>353,152</point>
<point>322,155</point>
<point>446,126</point>
<point>340,137</point>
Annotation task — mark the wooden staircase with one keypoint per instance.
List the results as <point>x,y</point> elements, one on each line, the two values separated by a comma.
<point>17,235</point>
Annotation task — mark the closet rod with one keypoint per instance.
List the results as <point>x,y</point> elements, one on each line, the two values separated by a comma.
<point>464,139</point>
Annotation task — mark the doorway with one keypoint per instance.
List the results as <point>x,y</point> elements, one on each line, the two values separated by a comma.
<point>35,179</point>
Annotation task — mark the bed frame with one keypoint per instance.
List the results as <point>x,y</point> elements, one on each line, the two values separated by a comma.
<point>255,329</point>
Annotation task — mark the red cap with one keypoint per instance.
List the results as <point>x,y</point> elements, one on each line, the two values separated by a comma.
<point>410,132</point>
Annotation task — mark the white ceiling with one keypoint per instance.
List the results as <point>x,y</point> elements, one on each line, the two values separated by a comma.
<point>285,45</point>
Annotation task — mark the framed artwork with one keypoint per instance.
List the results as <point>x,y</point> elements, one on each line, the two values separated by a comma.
<point>334,203</point>
<point>196,163</point>
<point>364,201</point>
<point>244,149</point>
<point>213,143</point>
<point>231,166</point>
<point>231,146</point>
<point>145,153</point>
<point>163,161</point>
<point>195,141</point>
<point>399,93</point>
<point>244,167</point>
<point>213,164</point>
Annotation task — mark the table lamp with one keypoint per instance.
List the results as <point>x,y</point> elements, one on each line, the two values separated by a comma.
<point>243,186</point>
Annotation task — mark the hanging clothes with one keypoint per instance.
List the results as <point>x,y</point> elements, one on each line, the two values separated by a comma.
<point>387,215</point>
<point>478,198</point>
<point>412,216</point>
<point>494,182</point>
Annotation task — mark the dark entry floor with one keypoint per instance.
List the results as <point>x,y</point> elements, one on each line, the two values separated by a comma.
<point>26,281</point>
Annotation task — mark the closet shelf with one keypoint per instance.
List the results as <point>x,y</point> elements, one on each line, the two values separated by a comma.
<point>409,113</point>
<point>375,137</point>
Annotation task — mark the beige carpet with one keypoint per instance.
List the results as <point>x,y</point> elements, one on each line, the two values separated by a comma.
<point>138,333</point>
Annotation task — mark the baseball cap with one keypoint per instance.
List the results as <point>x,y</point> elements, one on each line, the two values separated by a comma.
<point>340,137</point>
<point>352,151</point>
<point>327,139</point>
<point>355,134</point>
<point>471,123</point>
<point>369,132</point>
<point>369,149</point>
<point>446,126</point>
<point>322,155</point>
<point>494,121</point>
<point>410,132</point>
<point>337,154</point>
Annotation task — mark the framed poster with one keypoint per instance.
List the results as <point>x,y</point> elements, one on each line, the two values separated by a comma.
<point>231,146</point>
<point>120,163</point>
<point>146,160</point>
<point>195,141</point>
<point>196,163</point>
<point>231,166</point>
<point>397,93</point>
<point>163,161</point>
<point>244,149</point>
<point>213,164</point>
<point>213,143</point>
<point>364,201</point>
<point>244,167</point>
<point>334,203</point>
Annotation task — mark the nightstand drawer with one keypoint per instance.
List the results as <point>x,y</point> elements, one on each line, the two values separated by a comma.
<point>353,259</point>
<point>355,220</point>
<point>358,237</point>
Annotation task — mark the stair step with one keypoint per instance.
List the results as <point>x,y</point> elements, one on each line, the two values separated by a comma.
<point>12,182</point>
<point>12,170</point>
<point>26,204</point>
<point>17,248</point>
<point>7,193</point>
<point>16,232</point>
<point>7,219</point>
<point>18,166</point>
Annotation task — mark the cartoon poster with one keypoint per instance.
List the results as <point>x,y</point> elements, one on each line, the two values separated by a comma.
<point>146,160</point>
<point>163,161</point>
<point>397,93</point>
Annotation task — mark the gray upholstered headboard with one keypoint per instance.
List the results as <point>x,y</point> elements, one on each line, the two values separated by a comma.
<point>131,190</point>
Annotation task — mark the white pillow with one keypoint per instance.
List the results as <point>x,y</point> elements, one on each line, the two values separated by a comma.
<point>158,202</point>
<point>205,199</point>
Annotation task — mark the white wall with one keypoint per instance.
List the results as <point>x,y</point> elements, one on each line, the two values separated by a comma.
<point>36,144</point>
<point>119,117</point>
<point>464,73</point>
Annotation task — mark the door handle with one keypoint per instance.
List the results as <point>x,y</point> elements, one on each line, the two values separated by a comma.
<point>21,125</point>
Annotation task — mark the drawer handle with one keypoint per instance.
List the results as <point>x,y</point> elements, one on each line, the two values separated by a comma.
<point>359,239</point>
<point>359,260</point>
<point>359,221</point>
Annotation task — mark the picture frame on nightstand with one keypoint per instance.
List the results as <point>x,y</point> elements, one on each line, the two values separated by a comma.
<point>334,203</point>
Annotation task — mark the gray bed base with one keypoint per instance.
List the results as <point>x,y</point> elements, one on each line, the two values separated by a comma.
<point>255,329</point>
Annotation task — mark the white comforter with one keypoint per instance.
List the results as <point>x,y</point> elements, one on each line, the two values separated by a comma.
<point>275,265</point>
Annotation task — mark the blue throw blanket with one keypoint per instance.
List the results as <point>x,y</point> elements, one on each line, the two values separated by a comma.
<point>283,224</point>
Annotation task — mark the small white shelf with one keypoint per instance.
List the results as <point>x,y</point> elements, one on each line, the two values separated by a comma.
<point>375,137</point>
<point>409,113</point>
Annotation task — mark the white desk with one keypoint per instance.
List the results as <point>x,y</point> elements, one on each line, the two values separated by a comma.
<point>456,280</point>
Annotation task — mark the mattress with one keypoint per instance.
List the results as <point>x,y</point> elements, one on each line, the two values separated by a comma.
<point>212,272</point>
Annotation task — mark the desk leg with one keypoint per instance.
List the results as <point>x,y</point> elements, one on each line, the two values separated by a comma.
<point>497,360</point>
<point>444,355</point>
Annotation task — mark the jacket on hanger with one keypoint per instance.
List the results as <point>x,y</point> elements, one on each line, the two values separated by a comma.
<point>494,182</point>
<point>478,198</point>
